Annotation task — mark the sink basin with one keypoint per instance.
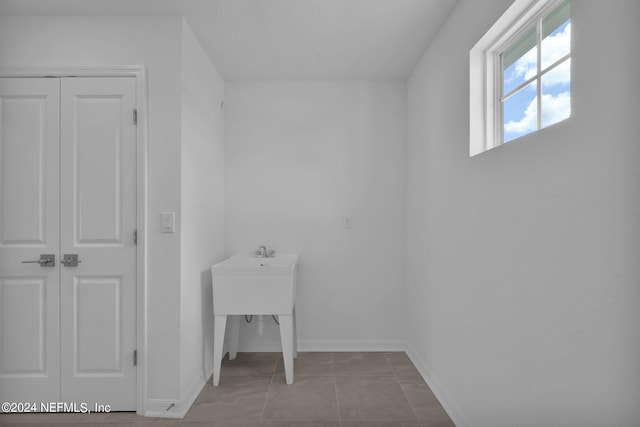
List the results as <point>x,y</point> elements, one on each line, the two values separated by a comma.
<point>244,284</point>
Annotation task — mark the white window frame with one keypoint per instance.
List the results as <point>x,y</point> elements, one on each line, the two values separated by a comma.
<point>485,118</point>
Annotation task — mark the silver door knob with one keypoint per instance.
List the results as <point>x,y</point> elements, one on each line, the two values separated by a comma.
<point>70,260</point>
<point>46,260</point>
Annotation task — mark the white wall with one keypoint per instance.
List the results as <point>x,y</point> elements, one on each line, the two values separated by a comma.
<point>154,42</point>
<point>299,156</point>
<point>523,261</point>
<point>202,237</point>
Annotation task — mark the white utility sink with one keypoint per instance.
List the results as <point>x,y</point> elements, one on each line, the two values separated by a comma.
<point>245,284</point>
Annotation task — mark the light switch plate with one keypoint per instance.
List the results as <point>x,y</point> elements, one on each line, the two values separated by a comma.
<point>168,222</point>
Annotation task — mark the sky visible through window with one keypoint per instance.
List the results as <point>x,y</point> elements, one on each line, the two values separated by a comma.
<point>520,110</point>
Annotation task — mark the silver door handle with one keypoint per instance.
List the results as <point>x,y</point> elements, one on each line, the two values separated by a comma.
<point>46,260</point>
<point>70,260</point>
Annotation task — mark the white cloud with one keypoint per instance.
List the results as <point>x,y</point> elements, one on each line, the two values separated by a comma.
<point>553,48</point>
<point>559,75</point>
<point>554,109</point>
<point>526,124</point>
<point>526,65</point>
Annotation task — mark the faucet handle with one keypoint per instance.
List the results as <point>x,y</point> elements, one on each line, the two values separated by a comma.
<point>271,253</point>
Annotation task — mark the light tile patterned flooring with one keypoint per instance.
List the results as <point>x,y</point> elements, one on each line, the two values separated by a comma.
<point>330,390</point>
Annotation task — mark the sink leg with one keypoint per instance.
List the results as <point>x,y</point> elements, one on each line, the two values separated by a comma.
<point>234,332</point>
<point>286,336</point>
<point>218,342</point>
<point>295,334</point>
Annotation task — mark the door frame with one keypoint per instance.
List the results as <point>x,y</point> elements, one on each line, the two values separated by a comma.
<point>139,72</point>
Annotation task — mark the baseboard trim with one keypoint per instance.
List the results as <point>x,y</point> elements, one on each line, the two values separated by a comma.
<point>351,345</point>
<point>163,407</point>
<point>273,346</point>
<point>191,393</point>
<point>449,405</point>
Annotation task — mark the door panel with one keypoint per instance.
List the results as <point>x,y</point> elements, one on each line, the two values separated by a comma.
<point>97,149</point>
<point>23,148</point>
<point>98,310</point>
<point>29,226</point>
<point>98,216</point>
<point>23,348</point>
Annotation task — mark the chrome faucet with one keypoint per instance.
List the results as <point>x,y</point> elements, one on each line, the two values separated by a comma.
<point>263,252</point>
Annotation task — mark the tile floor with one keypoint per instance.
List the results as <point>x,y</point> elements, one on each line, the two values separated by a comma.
<point>330,390</point>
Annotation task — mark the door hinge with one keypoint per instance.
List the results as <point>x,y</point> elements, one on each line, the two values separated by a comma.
<point>135,237</point>
<point>135,357</point>
<point>135,116</point>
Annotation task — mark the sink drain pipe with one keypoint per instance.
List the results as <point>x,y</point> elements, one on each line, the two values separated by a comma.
<point>249,318</point>
<point>260,325</point>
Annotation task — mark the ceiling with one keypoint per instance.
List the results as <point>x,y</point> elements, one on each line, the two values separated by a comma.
<point>286,39</point>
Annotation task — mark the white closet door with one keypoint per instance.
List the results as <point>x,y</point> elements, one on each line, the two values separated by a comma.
<point>98,219</point>
<point>29,228</point>
<point>68,187</point>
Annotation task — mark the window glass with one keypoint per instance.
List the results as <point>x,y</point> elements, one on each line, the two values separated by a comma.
<point>519,62</point>
<point>536,95</point>
<point>556,94</point>
<point>557,44</point>
<point>520,113</point>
